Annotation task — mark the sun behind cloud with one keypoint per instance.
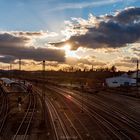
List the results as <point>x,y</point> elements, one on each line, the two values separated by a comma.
<point>69,52</point>
<point>66,48</point>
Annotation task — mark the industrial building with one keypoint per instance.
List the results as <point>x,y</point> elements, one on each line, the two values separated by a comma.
<point>123,80</point>
<point>134,75</point>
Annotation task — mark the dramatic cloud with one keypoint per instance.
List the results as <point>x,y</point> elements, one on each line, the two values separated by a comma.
<point>136,50</point>
<point>129,60</point>
<point>109,31</point>
<point>100,41</point>
<point>88,61</point>
<point>7,58</point>
<point>12,40</point>
<point>126,62</point>
<point>33,53</point>
<point>13,47</point>
<point>29,33</point>
<point>125,65</point>
<point>129,15</point>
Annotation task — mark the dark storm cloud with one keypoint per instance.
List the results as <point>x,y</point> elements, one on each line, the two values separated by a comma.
<point>129,15</point>
<point>16,47</point>
<point>33,53</point>
<point>31,33</point>
<point>112,31</point>
<point>7,38</point>
<point>7,58</point>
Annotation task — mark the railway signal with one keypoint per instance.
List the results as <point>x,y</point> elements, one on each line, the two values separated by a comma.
<point>19,99</point>
<point>29,88</point>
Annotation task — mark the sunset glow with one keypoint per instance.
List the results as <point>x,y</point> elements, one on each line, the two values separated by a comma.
<point>66,48</point>
<point>69,69</point>
<point>99,33</point>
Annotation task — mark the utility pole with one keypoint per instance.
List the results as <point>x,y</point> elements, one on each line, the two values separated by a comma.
<point>19,69</point>
<point>43,67</point>
<point>92,68</point>
<point>10,70</point>
<point>43,91</point>
<point>10,66</point>
<point>137,72</point>
<point>137,77</point>
<point>19,64</point>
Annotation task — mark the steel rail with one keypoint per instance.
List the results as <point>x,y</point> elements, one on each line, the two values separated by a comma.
<point>4,111</point>
<point>54,115</point>
<point>31,101</point>
<point>107,109</point>
<point>97,116</point>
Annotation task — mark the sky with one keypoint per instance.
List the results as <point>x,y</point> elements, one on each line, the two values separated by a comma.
<point>67,33</point>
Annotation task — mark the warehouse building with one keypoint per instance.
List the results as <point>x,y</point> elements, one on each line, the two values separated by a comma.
<point>119,81</point>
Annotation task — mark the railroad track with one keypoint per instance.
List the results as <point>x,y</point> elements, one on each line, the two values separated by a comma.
<point>3,111</point>
<point>118,112</point>
<point>60,128</point>
<point>97,115</point>
<point>80,127</point>
<point>112,111</point>
<point>25,124</point>
<point>128,92</point>
<point>62,132</point>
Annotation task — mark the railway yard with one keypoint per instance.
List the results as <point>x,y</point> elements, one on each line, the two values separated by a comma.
<point>54,112</point>
<point>69,69</point>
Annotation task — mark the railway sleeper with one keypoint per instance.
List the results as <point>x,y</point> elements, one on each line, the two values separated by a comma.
<point>15,127</point>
